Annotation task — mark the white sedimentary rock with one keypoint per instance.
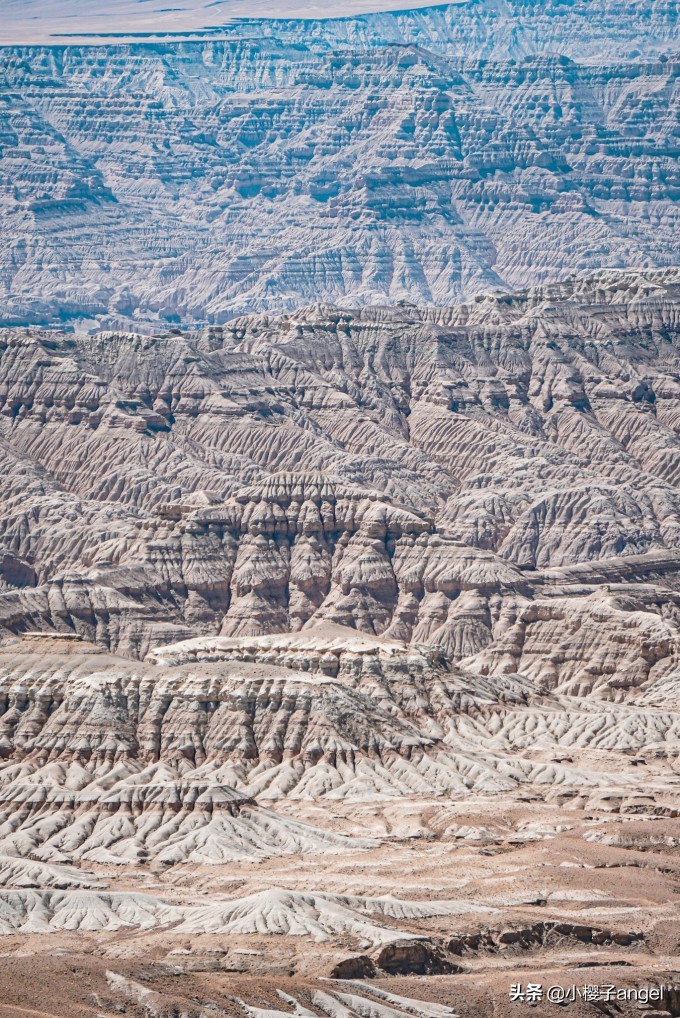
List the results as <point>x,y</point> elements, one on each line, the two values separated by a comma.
<point>497,480</point>
<point>339,558</point>
<point>110,761</point>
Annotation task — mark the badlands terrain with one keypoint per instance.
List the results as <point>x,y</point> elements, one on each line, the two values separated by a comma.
<point>426,155</point>
<point>339,659</point>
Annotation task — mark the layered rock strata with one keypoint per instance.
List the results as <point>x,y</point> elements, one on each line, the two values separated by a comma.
<point>109,761</point>
<point>497,480</point>
<point>424,155</point>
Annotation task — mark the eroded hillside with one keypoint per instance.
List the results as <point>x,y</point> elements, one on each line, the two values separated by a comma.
<point>338,650</point>
<point>497,480</point>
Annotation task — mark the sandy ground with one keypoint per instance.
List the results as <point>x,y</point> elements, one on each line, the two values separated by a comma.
<point>511,869</point>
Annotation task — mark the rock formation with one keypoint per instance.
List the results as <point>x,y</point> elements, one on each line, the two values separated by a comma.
<point>113,761</point>
<point>497,480</point>
<point>339,509</point>
<point>348,628</point>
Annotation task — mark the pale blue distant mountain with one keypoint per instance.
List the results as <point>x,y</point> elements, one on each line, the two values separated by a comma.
<point>423,155</point>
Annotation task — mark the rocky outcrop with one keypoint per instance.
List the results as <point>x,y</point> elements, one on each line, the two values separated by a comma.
<point>423,956</point>
<point>360,967</point>
<point>415,957</point>
<point>544,934</point>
